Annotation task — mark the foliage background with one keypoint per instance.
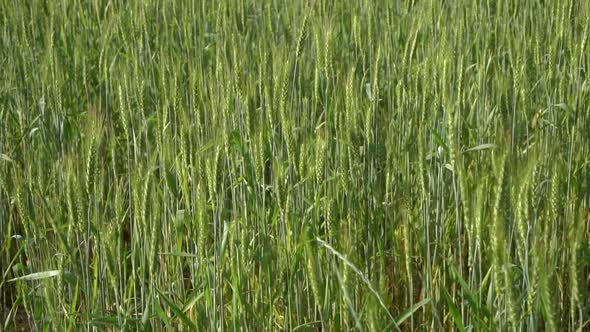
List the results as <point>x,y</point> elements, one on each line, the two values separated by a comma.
<point>294,165</point>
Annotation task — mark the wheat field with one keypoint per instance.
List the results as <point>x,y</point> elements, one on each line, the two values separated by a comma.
<point>274,165</point>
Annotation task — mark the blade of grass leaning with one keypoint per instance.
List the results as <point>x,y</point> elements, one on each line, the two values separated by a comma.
<point>480,147</point>
<point>37,276</point>
<point>361,275</point>
<point>179,313</point>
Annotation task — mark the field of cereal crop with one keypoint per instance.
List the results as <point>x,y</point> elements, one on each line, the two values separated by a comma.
<point>274,165</point>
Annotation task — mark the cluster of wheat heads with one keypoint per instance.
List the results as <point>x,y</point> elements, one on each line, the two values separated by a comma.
<point>294,165</point>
